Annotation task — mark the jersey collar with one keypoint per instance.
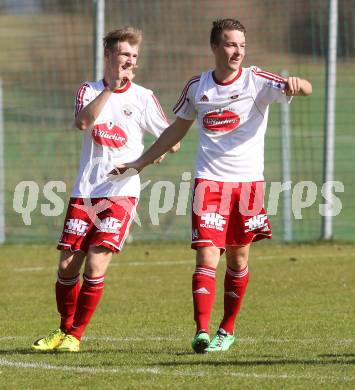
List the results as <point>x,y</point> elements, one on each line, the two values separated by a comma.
<point>228,82</point>
<point>121,90</point>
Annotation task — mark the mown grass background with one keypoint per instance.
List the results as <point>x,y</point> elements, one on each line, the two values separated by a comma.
<point>295,329</point>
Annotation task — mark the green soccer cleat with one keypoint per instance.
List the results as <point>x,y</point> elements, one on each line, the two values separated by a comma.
<point>200,342</point>
<point>50,342</point>
<point>221,341</point>
<point>69,344</point>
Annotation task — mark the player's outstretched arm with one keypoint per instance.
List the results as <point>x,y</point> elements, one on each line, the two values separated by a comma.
<point>295,86</point>
<point>167,141</point>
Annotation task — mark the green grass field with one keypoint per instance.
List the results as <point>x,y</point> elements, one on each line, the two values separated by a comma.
<point>295,330</point>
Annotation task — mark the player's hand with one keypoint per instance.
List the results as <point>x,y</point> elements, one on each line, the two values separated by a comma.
<point>292,86</point>
<point>160,159</point>
<point>121,76</point>
<point>175,148</point>
<point>121,169</point>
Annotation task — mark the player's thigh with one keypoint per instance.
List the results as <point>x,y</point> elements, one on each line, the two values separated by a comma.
<point>98,259</point>
<point>248,219</point>
<point>237,256</point>
<point>114,223</point>
<point>78,226</point>
<point>70,263</point>
<point>209,217</point>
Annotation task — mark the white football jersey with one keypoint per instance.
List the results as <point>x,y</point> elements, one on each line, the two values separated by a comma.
<point>232,120</point>
<point>115,137</point>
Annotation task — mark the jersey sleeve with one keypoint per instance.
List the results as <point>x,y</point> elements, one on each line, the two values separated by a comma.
<point>184,107</point>
<point>154,120</point>
<point>269,87</point>
<point>83,97</point>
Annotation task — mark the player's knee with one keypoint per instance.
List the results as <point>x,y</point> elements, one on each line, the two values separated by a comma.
<point>237,258</point>
<point>208,256</point>
<point>70,263</point>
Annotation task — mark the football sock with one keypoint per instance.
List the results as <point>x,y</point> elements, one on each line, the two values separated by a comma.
<point>67,292</point>
<point>235,284</point>
<point>89,297</point>
<point>203,293</point>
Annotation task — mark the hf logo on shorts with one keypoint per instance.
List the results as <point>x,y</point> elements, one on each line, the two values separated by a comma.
<point>256,222</point>
<point>76,226</point>
<point>110,225</point>
<point>213,221</point>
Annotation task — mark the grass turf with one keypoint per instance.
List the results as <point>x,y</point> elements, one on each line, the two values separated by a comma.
<point>295,329</point>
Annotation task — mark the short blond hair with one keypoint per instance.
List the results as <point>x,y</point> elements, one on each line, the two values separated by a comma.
<point>125,34</point>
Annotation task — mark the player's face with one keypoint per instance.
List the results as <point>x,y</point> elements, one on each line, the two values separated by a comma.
<point>122,57</point>
<point>230,51</point>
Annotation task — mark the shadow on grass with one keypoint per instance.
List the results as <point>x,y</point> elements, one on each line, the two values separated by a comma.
<point>340,360</point>
<point>337,355</point>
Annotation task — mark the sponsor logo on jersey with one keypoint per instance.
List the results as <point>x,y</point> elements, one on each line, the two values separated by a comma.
<point>221,120</point>
<point>234,97</point>
<point>213,221</point>
<point>76,226</point>
<point>109,134</point>
<point>257,222</point>
<point>204,98</point>
<point>110,225</point>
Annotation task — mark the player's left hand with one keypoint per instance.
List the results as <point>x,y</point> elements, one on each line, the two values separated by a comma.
<point>175,148</point>
<point>292,86</point>
<point>131,168</point>
<point>160,159</point>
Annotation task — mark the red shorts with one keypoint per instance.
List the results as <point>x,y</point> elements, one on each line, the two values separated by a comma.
<point>97,221</point>
<point>228,214</point>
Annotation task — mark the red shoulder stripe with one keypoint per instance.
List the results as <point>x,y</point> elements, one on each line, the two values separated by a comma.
<point>160,108</point>
<point>79,102</point>
<point>182,97</point>
<point>184,91</point>
<point>269,76</point>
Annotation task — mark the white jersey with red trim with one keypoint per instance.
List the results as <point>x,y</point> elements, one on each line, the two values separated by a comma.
<point>232,120</point>
<point>115,137</point>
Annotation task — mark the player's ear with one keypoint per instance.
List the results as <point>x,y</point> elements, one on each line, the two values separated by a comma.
<point>213,47</point>
<point>106,52</point>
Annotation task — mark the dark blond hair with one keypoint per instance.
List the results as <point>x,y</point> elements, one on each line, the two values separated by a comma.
<point>125,34</point>
<point>221,25</point>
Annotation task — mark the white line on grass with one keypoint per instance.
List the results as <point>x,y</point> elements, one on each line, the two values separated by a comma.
<point>116,264</point>
<point>91,370</point>
<point>247,340</point>
<point>159,371</point>
<point>164,263</point>
<point>119,339</point>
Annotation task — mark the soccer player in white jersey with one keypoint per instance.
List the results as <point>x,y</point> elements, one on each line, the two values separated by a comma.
<point>114,113</point>
<point>230,105</point>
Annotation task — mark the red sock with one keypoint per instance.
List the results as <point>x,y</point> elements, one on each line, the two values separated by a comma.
<point>67,292</point>
<point>203,293</point>
<point>235,284</point>
<point>89,297</point>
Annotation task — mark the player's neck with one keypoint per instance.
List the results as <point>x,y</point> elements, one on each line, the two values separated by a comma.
<point>226,76</point>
